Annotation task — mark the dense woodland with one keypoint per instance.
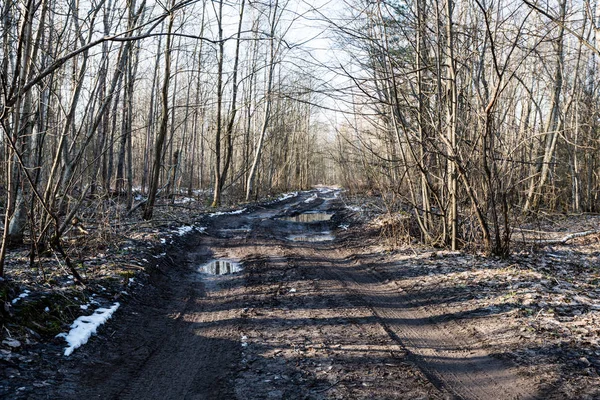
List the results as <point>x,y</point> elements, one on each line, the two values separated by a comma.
<point>467,116</point>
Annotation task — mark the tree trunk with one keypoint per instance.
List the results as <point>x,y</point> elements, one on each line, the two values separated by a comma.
<point>162,131</point>
<point>268,95</point>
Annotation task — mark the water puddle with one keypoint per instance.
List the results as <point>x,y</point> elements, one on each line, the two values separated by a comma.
<point>235,233</point>
<point>308,217</point>
<point>220,267</point>
<point>240,229</point>
<point>317,237</point>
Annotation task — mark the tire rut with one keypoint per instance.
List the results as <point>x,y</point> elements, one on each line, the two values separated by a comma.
<point>450,360</point>
<point>303,321</point>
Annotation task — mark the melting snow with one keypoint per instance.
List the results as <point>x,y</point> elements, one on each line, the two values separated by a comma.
<point>183,230</point>
<point>311,199</point>
<point>216,214</point>
<point>325,190</point>
<point>287,196</point>
<point>184,200</point>
<point>21,296</point>
<point>86,326</point>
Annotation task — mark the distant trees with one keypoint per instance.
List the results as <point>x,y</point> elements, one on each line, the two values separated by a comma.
<point>123,97</point>
<point>466,113</point>
<point>474,114</point>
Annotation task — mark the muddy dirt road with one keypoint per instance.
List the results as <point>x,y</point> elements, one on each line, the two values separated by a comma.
<point>311,315</point>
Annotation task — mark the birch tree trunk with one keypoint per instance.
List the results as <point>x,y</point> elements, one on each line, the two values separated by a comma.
<point>268,98</point>
<point>162,130</point>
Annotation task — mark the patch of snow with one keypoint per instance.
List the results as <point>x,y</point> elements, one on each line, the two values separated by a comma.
<point>12,343</point>
<point>326,190</point>
<point>21,296</point>
<point>311,198</point>
<point>184,230</point>
<point>354,208</point>
<point>344,227</point>
<point>287,196</point>
<point>84,306</point>
<point>85,326</point>
<point>184,200</point>
<point>163,241</point>
<point>236,212</point>
<point>293,290</point>
<point>46,309</point>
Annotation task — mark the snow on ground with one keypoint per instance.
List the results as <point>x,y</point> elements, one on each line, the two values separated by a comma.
<point>184,230</point>
<point>184,200</point>
<point>325,189</point>
<point>286,196</point>
<point>311,198</point>
<point>236,212</point>
<point>354,208</point>
<point>21,296</point>
<point>283,197</point>
<point>86,326</point>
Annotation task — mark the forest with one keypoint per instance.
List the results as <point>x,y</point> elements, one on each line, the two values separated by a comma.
<point>469,115</point>
<point>300,199</point>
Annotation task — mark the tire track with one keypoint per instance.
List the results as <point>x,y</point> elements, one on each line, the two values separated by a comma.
<point>452,361</point>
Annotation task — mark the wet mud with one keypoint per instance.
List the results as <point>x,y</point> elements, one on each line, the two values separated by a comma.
<point>280,302</point>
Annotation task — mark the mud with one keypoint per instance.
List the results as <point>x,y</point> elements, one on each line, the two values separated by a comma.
<point>303,319</point>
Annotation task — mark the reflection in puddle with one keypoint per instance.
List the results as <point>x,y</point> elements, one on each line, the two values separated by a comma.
<point>220,267</point>
<point>308,217</point>
<point>240,229</point>
<point>319,237</point>
<point>235,233</point>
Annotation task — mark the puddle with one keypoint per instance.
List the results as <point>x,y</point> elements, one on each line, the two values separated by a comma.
<point>220,267</point>
<point>308,217</point>
<point>319,237</point>
<point>235,233</point>
<point>242,229</point>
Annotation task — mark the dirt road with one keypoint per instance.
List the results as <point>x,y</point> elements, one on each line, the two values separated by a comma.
<point>312,315</point>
